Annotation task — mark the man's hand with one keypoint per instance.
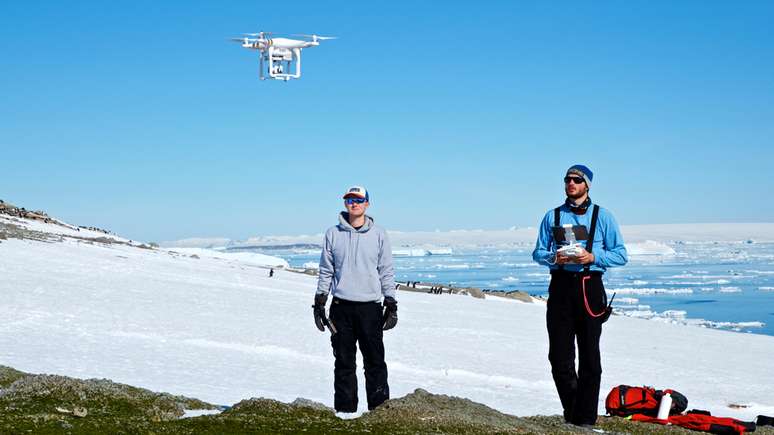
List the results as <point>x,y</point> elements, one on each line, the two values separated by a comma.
<point>563,259</point>
<point>390,317</point>
<point>319,310</point>
<point>585,257</point>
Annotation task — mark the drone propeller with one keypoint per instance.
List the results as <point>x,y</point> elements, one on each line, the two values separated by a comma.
<point>259,34</point>
<point>316,37</point>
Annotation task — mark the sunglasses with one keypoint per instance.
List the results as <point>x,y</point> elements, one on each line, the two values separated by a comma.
<point>576,180</point>
<point>350,201</point>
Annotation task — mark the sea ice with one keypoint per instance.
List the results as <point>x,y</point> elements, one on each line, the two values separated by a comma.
<point>221,330</point>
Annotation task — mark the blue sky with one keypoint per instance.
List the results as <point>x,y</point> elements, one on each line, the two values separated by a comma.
<point>142,118</point>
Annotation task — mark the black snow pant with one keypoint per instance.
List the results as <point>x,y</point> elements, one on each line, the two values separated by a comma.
<point>570,316</point>
<point>359,322</point>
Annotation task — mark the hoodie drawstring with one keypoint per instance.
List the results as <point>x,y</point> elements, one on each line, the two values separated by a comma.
<point>357,244</point>
<point>354,246</point>
<point>352,253</point>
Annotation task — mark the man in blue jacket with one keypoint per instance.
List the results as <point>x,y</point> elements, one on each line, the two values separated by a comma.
<point>577,302</point>
<point>356,267</point>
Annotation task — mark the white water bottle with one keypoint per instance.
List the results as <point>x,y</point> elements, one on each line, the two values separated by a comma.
<point>665,406</point>
<point>569,235</point>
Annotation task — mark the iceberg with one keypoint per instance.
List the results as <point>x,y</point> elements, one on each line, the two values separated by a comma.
<point>649,247</point>
<point>410,252</point>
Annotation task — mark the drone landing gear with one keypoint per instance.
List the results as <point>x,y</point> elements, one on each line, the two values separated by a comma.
<point>281,62</point>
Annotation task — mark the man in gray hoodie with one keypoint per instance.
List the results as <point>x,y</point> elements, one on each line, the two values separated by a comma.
<point>356,267</point>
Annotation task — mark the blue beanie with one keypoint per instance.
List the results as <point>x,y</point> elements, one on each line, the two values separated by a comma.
<point>582,171</point>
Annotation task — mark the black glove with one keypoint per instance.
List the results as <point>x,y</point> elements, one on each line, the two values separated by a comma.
<point>319,310</point>
<point>390,317</point>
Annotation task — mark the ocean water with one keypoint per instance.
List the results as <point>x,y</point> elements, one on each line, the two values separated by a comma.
<point>718,285</point>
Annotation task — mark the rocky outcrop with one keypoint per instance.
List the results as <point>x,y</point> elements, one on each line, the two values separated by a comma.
<point>515,294</point>
<point>50,403</point>
<point>21,212</point>
<point>39,215</point>
<point>475,292</point>
<point>99,230</point>
<point>58,404</point>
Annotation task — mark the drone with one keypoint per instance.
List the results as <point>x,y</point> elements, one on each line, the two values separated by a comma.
<point>280,58</point>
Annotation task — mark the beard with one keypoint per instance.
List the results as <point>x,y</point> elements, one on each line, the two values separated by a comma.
<point>576,195</point>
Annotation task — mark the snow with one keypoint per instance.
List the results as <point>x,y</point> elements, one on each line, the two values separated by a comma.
<point>243,257</point>
<point>61,229</point>
<point>219,329</point>
<point>199,412</point>
<point>198,242</point>
<point>645,239</point>
<point>311,265</point>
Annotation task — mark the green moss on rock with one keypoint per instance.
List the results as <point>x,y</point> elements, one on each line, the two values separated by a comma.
<point>42,404</point>
<point>9,376</point>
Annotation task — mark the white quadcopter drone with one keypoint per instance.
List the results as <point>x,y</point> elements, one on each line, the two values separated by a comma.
<point>278,56</point>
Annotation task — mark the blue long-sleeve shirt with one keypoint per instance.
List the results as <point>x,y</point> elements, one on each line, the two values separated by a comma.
<point>609,249</point>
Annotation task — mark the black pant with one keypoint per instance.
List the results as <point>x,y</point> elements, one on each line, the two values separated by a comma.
<point>568,318</point>
<point>359,322</point>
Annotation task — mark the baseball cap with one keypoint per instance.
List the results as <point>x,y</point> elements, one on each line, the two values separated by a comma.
<point>356,192</point>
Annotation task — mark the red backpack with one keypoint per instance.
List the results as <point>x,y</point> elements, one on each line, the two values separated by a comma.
<point>624,400</point>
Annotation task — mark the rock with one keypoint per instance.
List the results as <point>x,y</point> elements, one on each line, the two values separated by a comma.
<point>449,411</point>
<point>105,240</point>
<point>306,403</point>
<point>26,403</point>
<point>101,396</point>
<point>99,230</point>
<point>8,376</point>
<point>473,291</point>
<point>515,294</point>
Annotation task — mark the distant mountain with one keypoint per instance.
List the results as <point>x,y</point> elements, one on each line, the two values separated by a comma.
<point>721,232</point>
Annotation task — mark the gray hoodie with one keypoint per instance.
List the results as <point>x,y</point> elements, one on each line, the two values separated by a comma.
<point>356,265</point>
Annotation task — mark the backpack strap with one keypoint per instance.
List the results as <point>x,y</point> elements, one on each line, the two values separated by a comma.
<point>556,224</point>
<point>622,389</point>
<point>592,230</point>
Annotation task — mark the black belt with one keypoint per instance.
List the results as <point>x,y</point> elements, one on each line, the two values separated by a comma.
<point>569,273</point>
<point>346,302</point>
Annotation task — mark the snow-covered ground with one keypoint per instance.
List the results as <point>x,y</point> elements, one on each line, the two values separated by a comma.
<point>253,258</point>
<point>643,237</point>
<point>221,330</point>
